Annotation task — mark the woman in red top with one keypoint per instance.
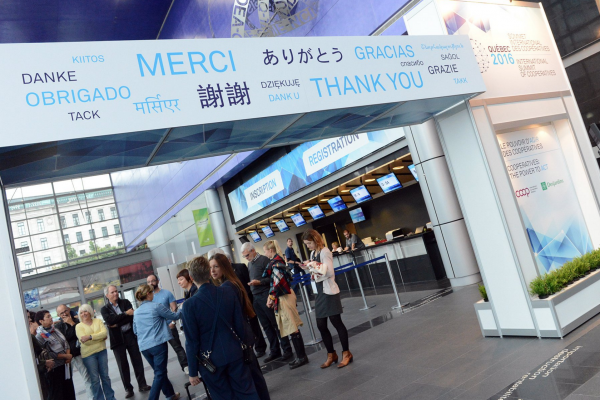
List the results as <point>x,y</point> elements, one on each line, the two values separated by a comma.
<point>283,300</point>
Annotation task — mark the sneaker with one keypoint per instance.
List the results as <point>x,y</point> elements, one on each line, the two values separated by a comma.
<point>271,357</point>
<point>186,370</point>
<point>143,389</point>
<point>286,356</point>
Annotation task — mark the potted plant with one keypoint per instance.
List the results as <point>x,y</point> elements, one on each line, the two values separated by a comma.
<point>483,293</point>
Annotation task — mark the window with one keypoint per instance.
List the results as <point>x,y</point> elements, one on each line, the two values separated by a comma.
<point>88,217</point>
<point>66,238</point>
<point>101,214</point>
<point>113,212</point>
<point>79,237</point>
<point>104,231</point>
<point>21,228</point>
<point>27,264</point>
<point>117,229</point>
<point>81,252</point>
<point>40,224</point>
<point>63,221</point>
<point>120,244</point>
<point>47,261</point>
<point>92,234</point>
<point>23,244</point>
<point>75,219</point>
<point>44,243</point>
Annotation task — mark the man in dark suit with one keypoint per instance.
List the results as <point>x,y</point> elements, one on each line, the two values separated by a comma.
<point>232,378</point>
<point>118,316</point>
<point>241,271</point>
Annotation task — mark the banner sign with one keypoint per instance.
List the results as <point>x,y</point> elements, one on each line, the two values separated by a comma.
<point>513,45</point>
<point>304,165</point>
<point>203,228</point>
<point>545,195</point>
<point>57,91</point>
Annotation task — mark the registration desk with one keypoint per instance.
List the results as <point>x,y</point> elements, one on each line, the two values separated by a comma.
<point>416,257</point>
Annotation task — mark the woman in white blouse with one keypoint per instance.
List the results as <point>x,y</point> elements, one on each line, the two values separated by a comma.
<point>328,303</point>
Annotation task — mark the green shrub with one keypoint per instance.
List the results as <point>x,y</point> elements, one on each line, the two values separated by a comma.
<point>555,281</point>
<point>483,292</point>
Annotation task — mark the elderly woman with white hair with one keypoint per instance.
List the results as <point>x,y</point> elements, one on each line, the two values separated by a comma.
<point>91,332</point>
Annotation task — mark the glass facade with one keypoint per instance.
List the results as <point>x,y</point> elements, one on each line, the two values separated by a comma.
<point>60,221</point>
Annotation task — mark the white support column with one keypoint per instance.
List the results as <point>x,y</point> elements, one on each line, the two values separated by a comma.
<point>485,220</point>
<point>442,204</point>
<point>217,220</point>
<point>18,372</point>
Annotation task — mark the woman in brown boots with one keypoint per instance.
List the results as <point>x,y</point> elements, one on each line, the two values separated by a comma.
<point>328,303</point>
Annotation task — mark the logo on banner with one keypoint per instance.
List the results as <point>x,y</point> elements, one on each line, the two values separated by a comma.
<point>522,192</point>
<point>547,185</point>
<point>263,189</point>
<point>328,151</point>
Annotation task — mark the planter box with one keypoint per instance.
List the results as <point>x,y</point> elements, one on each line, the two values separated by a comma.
<point>566,310</point>
<point>485,315</point>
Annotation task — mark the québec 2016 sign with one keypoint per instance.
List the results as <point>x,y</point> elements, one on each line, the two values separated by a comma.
<point>61,91</point>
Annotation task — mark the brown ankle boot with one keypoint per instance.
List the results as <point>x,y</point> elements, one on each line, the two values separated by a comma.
<point>331,358</point>
<point>346,359</point>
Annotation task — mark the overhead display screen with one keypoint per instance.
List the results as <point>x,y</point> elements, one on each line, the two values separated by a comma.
<point>282,225</point>
<point>298,219</point>
<point>389,183</point>
<point>316,212</point>
<point>413,171</point>
<point>357,215</point>
<point>337,204</point>
<point>268,231</point>
<point>361,194</point>
<point>255,236</point>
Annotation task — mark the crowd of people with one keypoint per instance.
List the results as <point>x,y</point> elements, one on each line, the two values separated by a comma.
<point>225,306</point>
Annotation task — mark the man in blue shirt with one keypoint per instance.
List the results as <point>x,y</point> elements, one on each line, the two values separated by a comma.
<point>167,299</point>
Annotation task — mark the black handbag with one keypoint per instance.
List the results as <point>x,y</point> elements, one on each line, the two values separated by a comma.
<point>204,358</point>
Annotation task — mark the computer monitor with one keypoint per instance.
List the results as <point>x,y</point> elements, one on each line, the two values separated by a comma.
<point>298,219</point>
<point>412,169</point>
<point>255,236</point>
<point>282,225</point>
<point>389,183</point>
<point>243,239</point>
<point>361,194</point>
<point>316,212</point>
<point>268,231</point>
<point>337,204</point>
<point>357,215</point>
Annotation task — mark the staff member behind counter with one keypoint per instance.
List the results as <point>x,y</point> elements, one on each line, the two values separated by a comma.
<point>353,242</point>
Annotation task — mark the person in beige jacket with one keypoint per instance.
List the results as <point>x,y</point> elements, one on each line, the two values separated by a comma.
<point>328,303</point>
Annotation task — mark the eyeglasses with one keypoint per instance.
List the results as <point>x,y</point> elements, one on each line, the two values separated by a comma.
<point>66,312</point>
<point>247,255</point>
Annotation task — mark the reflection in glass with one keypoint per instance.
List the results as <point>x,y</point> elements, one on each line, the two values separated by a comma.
<point>134,272</point>
<point>58,292</point>
<point>95,282</point>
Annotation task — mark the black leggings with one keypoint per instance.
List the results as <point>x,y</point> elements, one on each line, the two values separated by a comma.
<point>336,321</point>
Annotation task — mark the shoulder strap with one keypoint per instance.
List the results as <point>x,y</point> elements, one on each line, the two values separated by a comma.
<point>212,332</point>
<point>226,323</point>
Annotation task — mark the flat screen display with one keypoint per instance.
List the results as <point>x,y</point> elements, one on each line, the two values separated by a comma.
<point>316,212</point>
<point>298,219</point>
<point>411,167</point>
<point>255,236</point>
<point>282,225</point>
<point>361,194</point>
<point>268,231</point>
<point>389,183</point>
<point>357,215</point>
<point>337,204</point>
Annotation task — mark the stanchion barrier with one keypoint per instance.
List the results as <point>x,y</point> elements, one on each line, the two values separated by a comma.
<point>362,292</point>
<point>311,328</point>
<point>387,262</point>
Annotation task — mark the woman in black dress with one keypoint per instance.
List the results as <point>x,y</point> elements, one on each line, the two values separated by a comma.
<point>328,303</point>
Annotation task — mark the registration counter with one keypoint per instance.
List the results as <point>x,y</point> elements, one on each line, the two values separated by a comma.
<point>416,257</point>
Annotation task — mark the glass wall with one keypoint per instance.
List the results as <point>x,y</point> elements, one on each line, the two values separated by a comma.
<point>64,223</point>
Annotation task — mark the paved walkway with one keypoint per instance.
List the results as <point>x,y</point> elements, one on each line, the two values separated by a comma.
<point>435,351</point>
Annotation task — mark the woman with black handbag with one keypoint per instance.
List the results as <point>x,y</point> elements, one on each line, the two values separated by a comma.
<point>222,273</point>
